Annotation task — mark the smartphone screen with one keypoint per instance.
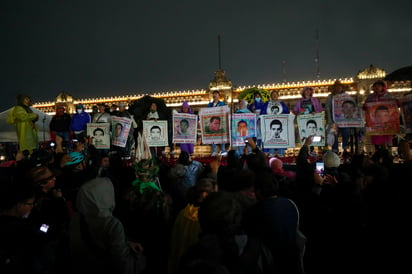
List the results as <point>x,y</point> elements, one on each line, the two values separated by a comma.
<point>44,228</point>
<point>320,166</point>
<point>316,139</point>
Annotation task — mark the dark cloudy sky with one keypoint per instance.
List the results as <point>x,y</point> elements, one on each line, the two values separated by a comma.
<point>105,48</point>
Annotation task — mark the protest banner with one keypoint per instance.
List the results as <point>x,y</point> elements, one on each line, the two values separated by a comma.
<point>100,134</point>
<point>155,133</point>
<point>278,130</point>
<point>215,123</point>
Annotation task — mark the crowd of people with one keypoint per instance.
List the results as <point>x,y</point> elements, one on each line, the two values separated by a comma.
<point>87,212</point>
<point>74,208</point>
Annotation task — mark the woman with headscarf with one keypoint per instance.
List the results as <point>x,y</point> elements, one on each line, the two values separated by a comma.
<point>23,117</point>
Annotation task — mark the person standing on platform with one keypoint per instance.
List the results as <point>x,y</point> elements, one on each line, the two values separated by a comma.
<point>257,107</point>
<point>380,93</point>
<point>275,106</point>
<point>79,123</point>
<point>217,103</point>
<point>242,124</point>
<point>24,119</point>
<point>103,116</point>
<point>127,150</point>
<point>189,148</point>
<point>153,114</point>
<point>60,125</point>
<point>307,104</point>
<point>337,89</point>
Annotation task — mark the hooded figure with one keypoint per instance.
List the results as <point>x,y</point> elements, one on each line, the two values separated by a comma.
<point>103,232</point>
<point>185,108</point>
<point>79,122</point>
<point>24,119</point>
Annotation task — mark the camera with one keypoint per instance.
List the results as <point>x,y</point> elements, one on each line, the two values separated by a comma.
<point>44,228</point>
<point>316,138</point>
<point>246,140</point>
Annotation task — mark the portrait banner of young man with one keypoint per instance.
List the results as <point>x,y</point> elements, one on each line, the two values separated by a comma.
<point>278,130</point>
<point>155,133</point>
<point>184,128</point>
<point>346,112</point>
<point>406,110</point>
<point>120,127</point>
<point>312,125</point>
<point>100,134</point>
<point>382,118</point>
<point>243,126</point>
<point>215,123</point>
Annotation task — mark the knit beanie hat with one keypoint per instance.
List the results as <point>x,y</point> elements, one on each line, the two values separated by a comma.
<point>331,159</point>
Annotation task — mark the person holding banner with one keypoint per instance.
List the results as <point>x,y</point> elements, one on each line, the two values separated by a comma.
<point>380,94</point>
<point>217,103</point>
<point>126,151</point>
<point>242,127</point>
<point>337,89</point>
<point>79,122</point>
<point>153,114</point>
<point>275,106</point>
<point>257,105</point>
<point>185,108</point>
<point>307,104</point>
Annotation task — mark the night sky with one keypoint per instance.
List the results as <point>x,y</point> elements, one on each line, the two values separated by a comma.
<point>106,48</point>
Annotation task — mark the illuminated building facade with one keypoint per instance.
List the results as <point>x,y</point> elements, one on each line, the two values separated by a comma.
<point>358,86</point>
<point>399,82</point>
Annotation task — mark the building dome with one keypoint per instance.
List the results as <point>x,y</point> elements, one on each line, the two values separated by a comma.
<point>64,97</point>
<point>371,72</point>
<point>66,100</point>
<point>402,74</point>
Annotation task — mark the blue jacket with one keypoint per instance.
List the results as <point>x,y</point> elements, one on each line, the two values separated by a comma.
<point>219,104</point>
<point>79,121</point>
<point>256,105</point>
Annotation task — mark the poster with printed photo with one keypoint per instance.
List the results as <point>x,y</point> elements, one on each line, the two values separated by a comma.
<point>346,112</point>
<point>121,127</point>
<point>406,110</point>
<point>215,123</point>
<point>382,118</point>
<point>155,133</point>
<point>184,128</point>
<point>100,134</point>
<point>243,126</point>
<point>278,130</point>
<point>312,125</point>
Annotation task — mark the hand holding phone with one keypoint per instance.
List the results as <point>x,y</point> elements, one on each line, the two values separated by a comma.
<point>320,166</point>
<point>316,138</point>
